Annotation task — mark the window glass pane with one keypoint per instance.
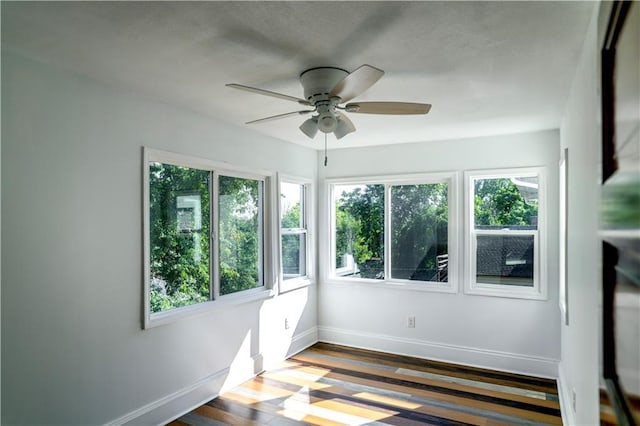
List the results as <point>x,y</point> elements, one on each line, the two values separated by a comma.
<point>179,236</point>
<point>240,238</point>
<point>359,231</point>
<point>506,203</point>
<point>419,239</point>
<point>291,206</point>
<point>293,255</point>
<point>292,223</point>
<point>505,259</point>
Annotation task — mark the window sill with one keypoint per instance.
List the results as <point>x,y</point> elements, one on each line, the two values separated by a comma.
<point>500,291</point>
<point>422,286</point>
<point>225,302</point>
<point>287,286</point>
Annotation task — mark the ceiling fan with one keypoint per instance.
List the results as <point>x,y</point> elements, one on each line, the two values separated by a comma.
<point>326,89</point>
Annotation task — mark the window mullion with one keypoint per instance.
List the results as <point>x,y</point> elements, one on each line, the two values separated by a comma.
<point>262,237</point>
<point>387,232</point>
<point>214,263</point>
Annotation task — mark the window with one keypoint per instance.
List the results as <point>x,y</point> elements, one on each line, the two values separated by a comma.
<point>204,234</point>
<point>397,230</point>
<point>359,230</point>
<point>419,228</point>
<point>505,217</point>
<point>240,239</point>
<point>295,245</point>
<point>179,236</point>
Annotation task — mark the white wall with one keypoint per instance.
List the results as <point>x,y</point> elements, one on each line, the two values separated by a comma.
<point>73,351</point>
<point>580,133</point>
<point>507,334</point>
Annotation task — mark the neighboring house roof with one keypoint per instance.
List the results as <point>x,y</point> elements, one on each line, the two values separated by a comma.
<point>506,256</point>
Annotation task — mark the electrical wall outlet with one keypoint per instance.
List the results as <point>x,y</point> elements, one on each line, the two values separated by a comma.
<point>573,400</point>
<point>411,322</point>
<point>286,323</point>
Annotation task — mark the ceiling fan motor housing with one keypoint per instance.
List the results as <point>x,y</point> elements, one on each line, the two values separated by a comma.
<point>318,82</point>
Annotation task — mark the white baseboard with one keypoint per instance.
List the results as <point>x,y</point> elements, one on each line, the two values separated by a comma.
<point>186,399</point>
<point>164,409</point>
<point>476,357</point>
<point>566,400</point>
<point>302,341</point>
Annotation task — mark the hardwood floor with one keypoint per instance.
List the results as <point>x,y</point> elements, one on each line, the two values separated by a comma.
<point>608,416</point>
<point>335,385</point>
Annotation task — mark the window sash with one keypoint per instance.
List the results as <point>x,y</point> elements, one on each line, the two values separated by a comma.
<point>215,170</point>
<point>288,282</point>
<point>506,233</point>
<point>450,179</point>
<point>215,270</point>
<point>390,228</point>
<point>173,225</point>
<point>539,289</point>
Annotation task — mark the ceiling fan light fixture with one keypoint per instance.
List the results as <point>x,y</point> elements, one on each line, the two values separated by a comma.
<point>343,128</point>
<point>310,127</point>
<point>327,123</point>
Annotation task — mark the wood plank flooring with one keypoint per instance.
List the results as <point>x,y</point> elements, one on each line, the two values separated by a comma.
<point>337,385</point>
<point>608,416</point>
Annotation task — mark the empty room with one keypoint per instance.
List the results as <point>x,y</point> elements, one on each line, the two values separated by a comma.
<point>323,212</point>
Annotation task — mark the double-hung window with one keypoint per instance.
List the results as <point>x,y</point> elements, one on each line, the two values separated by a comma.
<point>397,230</point>
<point>204,235</point>
<point>295,239</point>
<point>505,228</point>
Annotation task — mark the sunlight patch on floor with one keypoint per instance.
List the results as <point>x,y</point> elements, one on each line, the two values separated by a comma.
<point>387,400</point>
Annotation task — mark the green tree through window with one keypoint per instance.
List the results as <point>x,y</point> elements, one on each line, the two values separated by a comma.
<point>419,230</point>
<point>179,236</point>
<point>500,202</point>
<point>180,229</point>
<point>505,230</point>
<point>239,234</point>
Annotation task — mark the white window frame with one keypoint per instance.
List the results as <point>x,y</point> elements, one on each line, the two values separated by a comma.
<point>216,302</point>
<point>539,289</point>
<point>452,180</point>
<point>307,230</point>
<point>262,278</point>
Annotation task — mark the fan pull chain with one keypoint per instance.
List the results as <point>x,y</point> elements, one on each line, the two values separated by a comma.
<point>325,150</point>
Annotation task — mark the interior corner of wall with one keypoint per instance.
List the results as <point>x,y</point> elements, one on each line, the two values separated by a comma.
<point>564,393</point>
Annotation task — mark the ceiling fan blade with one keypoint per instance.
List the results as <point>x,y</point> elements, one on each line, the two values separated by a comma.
<point>268,93</point>
<point>279,116</point>
<point>356,82</point>
<point>344,127</point>
<point>397,108</point>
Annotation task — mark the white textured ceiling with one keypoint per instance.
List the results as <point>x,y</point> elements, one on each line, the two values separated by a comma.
<point>487,67</point>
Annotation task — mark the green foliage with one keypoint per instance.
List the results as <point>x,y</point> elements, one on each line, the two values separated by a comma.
<point>179,257</point>
<point>499,202</point>
<point>360,224</point>
<point>180,252</point>
<point>292,243</point>
<point>238,234</point>
<point>419,229</point>
<point>291,218</point>
<point>419,219</point>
